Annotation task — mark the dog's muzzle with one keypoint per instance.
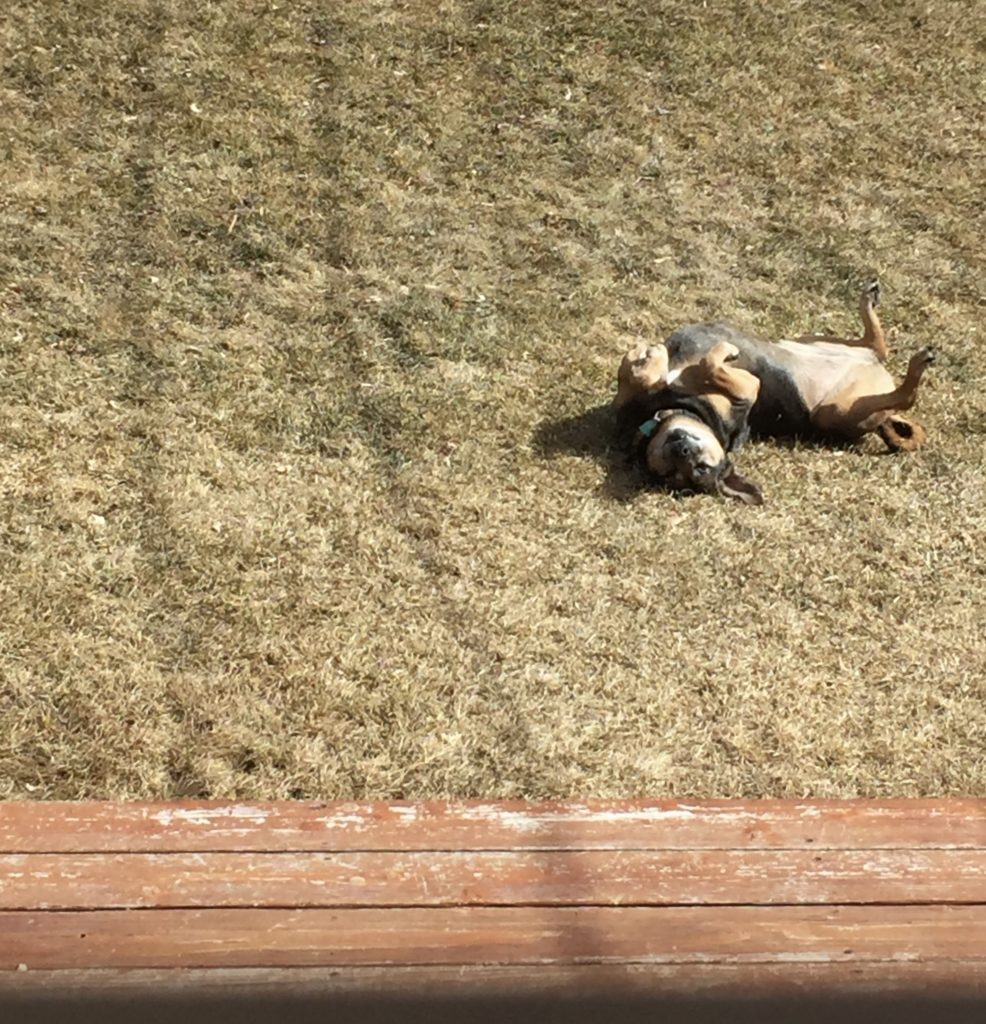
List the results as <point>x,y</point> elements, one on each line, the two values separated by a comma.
<point>680,444</point>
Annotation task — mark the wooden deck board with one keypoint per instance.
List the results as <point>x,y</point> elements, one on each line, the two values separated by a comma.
<point>490,878</point>
<point>950,977</point>
<point>202,826</point>
<point>488,935</point>
<point>744,895</point>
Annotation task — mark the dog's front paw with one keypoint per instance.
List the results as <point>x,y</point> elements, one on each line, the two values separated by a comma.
<point>872,293</point>
<point>721,352</point>
<point>646,354</point>
<point>648,360</point>
<point>643,369</point>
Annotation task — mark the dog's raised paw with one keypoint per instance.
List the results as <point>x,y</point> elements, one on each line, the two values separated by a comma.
<point>924,356</point>
<point>872,292</point>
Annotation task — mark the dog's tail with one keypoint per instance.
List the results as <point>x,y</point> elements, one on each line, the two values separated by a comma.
<point>901,435</point>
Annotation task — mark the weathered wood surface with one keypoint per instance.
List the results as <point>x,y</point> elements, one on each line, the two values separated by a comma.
<point>751,892</point>
<point>490,878</point>
<point>488,935</point>
<point>952,977</point>
<point>687,825</point>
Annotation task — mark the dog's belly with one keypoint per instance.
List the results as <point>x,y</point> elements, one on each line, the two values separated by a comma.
<point>796,377</point>
<point>823,369</point>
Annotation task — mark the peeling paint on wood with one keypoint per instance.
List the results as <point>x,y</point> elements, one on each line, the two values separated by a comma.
<point>218,827</point>
<point>669,885</point>
<point>206,816</point>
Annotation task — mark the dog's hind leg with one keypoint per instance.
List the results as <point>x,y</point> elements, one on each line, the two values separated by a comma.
<point>873,334</point>
<point>874,337</point>
<point>851,415</point>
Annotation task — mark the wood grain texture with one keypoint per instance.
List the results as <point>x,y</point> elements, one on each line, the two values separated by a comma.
<point>553,878</point>
<point>340,827</point>
<point>952,978</point>
<point>488,935</point>
<point>750,896</point>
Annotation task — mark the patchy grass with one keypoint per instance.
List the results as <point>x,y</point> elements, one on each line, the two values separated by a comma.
<point>309,313</point>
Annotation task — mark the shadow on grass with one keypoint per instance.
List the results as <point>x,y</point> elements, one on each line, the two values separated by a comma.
<point>593,435</point>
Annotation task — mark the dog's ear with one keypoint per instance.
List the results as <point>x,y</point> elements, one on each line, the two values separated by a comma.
<point>733,485</point>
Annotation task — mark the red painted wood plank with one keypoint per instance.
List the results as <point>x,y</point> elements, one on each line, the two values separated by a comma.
<point>485,935</point>
<point>595,877</point>
<point>205,826</point>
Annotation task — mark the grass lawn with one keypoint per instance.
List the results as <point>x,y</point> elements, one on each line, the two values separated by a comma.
<point>309,315</point>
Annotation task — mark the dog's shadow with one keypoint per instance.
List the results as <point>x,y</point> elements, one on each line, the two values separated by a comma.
<point>593,434</point>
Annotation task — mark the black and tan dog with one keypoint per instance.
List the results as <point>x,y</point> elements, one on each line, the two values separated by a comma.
<point>694,399</point>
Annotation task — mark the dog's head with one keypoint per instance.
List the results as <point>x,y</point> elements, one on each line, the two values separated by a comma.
<point>685,454</point>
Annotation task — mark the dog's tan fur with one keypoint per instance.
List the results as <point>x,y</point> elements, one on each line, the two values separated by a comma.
<point>857,395</point>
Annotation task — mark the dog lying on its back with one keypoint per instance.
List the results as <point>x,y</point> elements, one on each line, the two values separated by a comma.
<point>694,399</point>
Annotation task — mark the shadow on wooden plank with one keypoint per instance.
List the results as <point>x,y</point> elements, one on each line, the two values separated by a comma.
<point>189,1008</point>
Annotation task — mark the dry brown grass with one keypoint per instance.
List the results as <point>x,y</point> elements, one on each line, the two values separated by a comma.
<point>309,310</point>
